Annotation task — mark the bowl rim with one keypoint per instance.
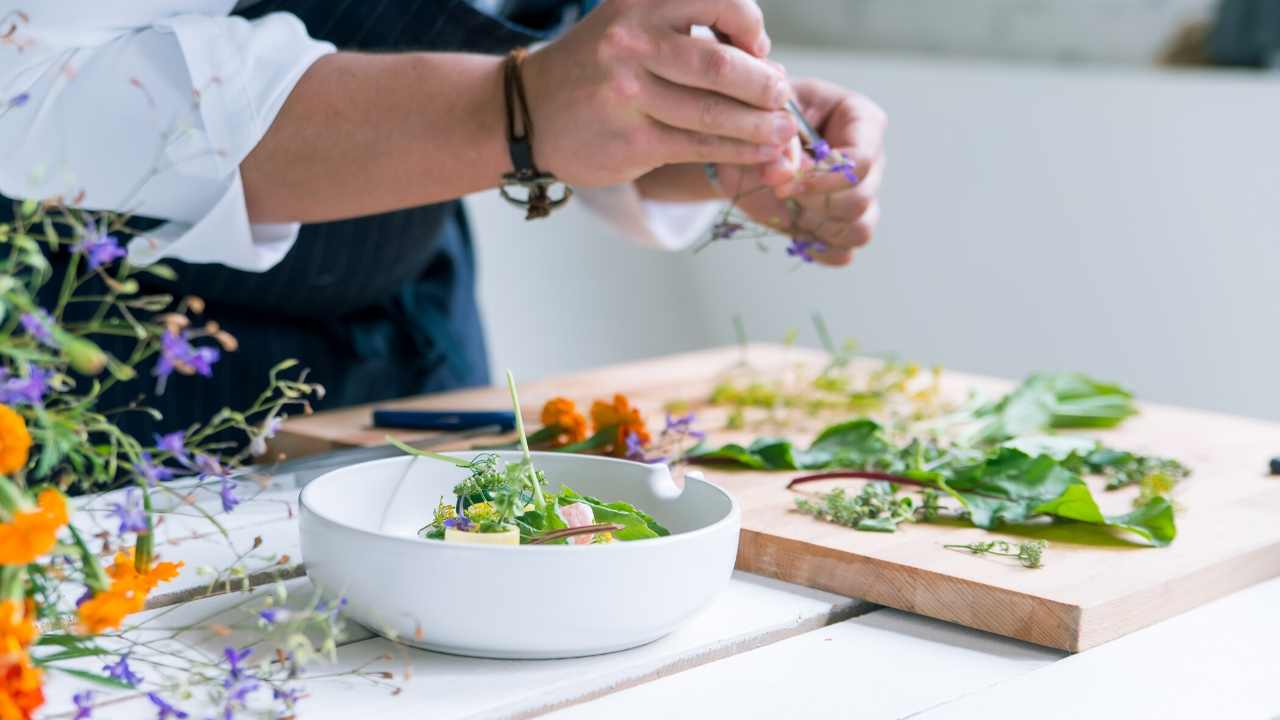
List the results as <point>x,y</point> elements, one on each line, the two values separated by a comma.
<point>733,516</point>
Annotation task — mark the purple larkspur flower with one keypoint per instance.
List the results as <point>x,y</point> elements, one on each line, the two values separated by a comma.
<point>323,607</point>
<point>240,691</point>
<point>84,704</point>
<point>289,696</point>
<point>174,443</point>
<point>804,249</point>
<point>177,353</point>
<point>85,596</point>
<point>235,672</point>
<point>130,513</point>
<point>164,709</point>
<point>635,450</point>
<point>270,426</point>
<point>725,230</point>
<point>39,326</point>
<point>99,247</point>
<point>227,493</point>
<point>121,671</point>
<point>273,615</point>
<point>151,472</point>
<point>683,425</point>
<point>19,100</point>
<point>845,167</point>
<point>820,149</point>
<point>460,523</point>
<point>28,390</point>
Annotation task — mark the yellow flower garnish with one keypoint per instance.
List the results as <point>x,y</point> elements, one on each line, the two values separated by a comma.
<point>480,512</point>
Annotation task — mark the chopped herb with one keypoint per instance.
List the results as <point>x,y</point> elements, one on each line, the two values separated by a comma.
<point>1029,553</point>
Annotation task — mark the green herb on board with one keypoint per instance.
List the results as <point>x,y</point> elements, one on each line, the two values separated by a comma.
<point>1030,553</point>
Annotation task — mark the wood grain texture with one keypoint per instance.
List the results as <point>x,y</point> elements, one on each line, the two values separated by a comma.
<point>1096,585</point>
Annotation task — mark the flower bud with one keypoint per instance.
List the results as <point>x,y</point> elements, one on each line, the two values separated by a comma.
<point>86,357</point>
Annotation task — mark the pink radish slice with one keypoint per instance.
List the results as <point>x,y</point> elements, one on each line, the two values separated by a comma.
<point>577,515</point>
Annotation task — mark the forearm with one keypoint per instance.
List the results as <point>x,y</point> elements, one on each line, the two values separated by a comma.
<point>363,134</point>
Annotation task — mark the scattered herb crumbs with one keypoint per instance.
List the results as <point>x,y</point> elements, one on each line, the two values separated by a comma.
<point>1030,553</point>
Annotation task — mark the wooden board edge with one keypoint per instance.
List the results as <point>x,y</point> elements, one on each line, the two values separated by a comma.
<point>1113,619</point>
<point>1016,615</point>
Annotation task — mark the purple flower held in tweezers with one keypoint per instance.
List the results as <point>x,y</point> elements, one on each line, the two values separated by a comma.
<point>149,471</point>
<point>174,443</point>
<point>99,247</point>
<point>845,167</point>
<point>804,249</point>
<point>84,705</point>
<point>39,326</point>
<point>121,671</point>
<point>29,390</point>
<point>820,149</point>
<point>166,710</point>
<point>130,513</point>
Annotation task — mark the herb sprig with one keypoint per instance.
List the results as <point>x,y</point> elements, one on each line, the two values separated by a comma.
<point>1030,553</point>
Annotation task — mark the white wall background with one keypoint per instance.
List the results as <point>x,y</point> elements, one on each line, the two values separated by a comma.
<point>1121,222</point>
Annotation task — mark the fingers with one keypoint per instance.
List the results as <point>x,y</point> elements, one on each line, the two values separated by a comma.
<point>714,114</point>
<point>739,20</point>
<point>682,146</point>
<point>815,181</point>
<point>724,69</point>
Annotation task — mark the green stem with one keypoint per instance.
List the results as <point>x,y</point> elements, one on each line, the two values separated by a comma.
<point>94,577</point>
<point>144,549</point>
<point>538,500</point>
<point>455,461</point>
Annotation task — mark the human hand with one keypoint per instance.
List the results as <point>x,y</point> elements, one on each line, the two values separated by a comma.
<point>794,196</point>
<point>628,90</point>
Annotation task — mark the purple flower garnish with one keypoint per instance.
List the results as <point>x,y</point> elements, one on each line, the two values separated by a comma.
<point>460,523</point>
<point>130,513</point>
<point>29,390</point>
<point>289,696</point>
<point>820,149</point>
<point>176,353</point>
<point>151,472</point>
<point>19,100</point>
<point>39,325</point>
<point>845,167</point>
<point>122,672</point>
<point>227,493</point>
<point>273,615</point>
<point>724,230</point>
<point>323,606</point>
<point>174,443</point>
<point>683,425</point>
<point>99,247</point>
<point>166,710</point>
<point>635,450</point>
<point>234,658</point>
<point>804,249</point>
<point>84,704</point>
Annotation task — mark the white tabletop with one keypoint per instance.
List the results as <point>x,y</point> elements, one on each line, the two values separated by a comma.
<point>763,649</point>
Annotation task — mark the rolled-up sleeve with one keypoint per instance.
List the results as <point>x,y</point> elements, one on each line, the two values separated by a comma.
<point>152,118</point>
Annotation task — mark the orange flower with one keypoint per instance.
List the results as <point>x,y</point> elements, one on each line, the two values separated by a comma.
<point>15,441</point>
<point>127,595</point>
<point>32,533</point>
<point>20,691</point>
<point>561,414</point>
<point>622,416</point>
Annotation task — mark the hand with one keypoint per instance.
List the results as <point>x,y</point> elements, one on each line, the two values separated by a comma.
<point>628,90</point>
<point>826,206</point>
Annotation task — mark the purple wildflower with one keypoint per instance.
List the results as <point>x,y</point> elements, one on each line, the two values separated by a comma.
<point>85,596</point>
<point>683,425</point>
<point>132,516</point>
<point>84,704</point>
<point>99,247</point>
<point>19,100</point>
<point>234,657</point>
<point>150,471</point>
<point>725,230</point>
<point>122,672</point>
<point>460,523</point>
<point>240,691</point>
<point>289,696</point>
<point>39,326</point>
<point>635,450</point>
<point>270,426</point>
<point>273,615</point>
<point>820,149</point>
<point>166,710</point>
<point>804,249</point>
<point>174,443</point>
<point>177,353</point>
<point>29,390</point>
<point>845,167</point>
<point>323,606</point>
<point>227,493</point>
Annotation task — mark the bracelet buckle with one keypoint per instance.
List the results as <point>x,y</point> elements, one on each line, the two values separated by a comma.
<point>536,198</point>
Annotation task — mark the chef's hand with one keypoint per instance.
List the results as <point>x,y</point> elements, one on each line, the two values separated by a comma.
<point>628,90</point>
<point>827,206</point>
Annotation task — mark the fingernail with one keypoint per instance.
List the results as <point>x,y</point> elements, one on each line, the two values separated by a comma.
<point>784,128</point>
<point>763,45</point>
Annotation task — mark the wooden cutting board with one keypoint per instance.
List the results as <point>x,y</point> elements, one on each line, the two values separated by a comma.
<point>1094,587</point>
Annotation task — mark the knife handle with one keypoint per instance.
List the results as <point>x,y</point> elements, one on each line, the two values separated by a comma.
<point>443,420</point>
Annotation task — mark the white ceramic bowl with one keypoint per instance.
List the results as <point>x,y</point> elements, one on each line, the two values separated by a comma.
<point>359,540</point>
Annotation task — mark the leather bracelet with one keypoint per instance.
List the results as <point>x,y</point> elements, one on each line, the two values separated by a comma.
<point>538,203</point>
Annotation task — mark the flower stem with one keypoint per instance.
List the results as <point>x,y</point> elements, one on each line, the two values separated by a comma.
<point>538,500</point>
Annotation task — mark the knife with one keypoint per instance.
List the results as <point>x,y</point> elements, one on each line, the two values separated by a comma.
<point>446,421</point>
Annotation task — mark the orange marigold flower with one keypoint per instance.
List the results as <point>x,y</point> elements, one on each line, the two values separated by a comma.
<point>32,533</point>
<point>15,441</point>
<point>562,414</point>
<point>20,689</point>
<point>622,416</point>
<point>127,595</point>
<point>17,630</point>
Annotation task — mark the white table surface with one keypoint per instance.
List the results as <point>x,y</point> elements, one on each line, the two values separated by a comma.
<point>762,649</point>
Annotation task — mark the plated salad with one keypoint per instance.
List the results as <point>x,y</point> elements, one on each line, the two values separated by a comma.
<point>509,503</point>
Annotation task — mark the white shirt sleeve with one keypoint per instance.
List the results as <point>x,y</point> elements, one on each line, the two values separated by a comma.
<point>131,107</point>
<point>654,223</point>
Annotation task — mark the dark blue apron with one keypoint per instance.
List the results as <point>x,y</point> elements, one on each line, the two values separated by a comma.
<point>378,307</point>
